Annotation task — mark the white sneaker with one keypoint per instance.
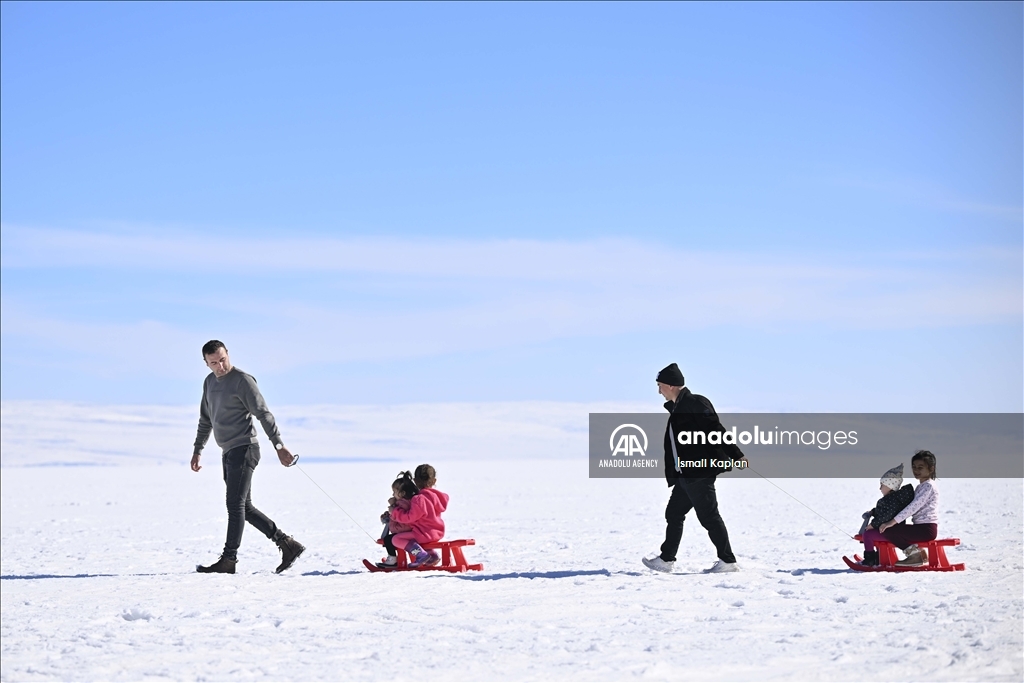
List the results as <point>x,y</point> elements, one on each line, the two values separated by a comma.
<point>658,564</point>
<point>721,567</point>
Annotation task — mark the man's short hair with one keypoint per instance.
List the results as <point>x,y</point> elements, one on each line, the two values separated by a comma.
<point>210,347</point>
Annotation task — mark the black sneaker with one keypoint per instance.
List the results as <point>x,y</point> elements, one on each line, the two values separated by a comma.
<point>290,551</point>
<point>870,558</point>
<point>221,566</point>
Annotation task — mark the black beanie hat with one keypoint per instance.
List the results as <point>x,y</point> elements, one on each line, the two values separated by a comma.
<point>672,376</point>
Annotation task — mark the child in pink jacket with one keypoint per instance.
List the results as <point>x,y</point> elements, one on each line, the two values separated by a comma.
<point>416,520</point>
<point>425,477</point>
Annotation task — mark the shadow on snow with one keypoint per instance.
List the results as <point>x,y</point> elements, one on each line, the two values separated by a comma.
<point>30,577</point>
<point>543,575</point>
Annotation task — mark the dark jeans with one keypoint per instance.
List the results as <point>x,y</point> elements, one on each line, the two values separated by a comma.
<point>697,495</point>
<point>239,464</point>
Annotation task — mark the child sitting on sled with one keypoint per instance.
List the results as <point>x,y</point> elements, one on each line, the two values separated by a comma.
<point>390,529</point>
<point>924,511</point>
<point>894,498</point>
<point>425,478</point>
<point>413,518</point>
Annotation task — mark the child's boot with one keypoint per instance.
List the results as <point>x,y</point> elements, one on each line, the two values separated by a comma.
<point>421,557</point>
<point>870,558</point>
<point>915,557</point>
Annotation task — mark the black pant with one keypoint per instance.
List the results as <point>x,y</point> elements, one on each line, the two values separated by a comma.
<point>389,543</point>
<point>386,536</point>
<point>697,495</point>
<point>239,464</point>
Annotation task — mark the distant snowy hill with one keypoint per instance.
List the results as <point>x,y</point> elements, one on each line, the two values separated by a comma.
<point>58,433</point>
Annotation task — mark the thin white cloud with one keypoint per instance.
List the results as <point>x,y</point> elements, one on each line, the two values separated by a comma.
<point>121,348</point>
<point>517,259</point>
<point>602,260</point>
<point>523,292</point>
<point>933,196</point>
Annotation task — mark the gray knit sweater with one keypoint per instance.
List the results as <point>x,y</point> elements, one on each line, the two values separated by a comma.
<point>227,408</point>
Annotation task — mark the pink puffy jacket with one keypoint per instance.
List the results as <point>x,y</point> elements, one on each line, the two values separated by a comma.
<point>439,499</point>
<point>424,515</point>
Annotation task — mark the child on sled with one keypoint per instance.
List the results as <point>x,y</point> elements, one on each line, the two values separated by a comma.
<point>922,509</point>
<point>413,518</point>
<point>425,478</point>
<point>894,498</point>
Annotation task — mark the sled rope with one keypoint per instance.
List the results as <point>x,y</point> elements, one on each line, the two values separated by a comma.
<point>798,500</point>
<point>336,503</point>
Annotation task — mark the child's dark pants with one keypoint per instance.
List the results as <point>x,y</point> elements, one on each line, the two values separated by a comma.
<point>901,535</point>
<point>389,544</point>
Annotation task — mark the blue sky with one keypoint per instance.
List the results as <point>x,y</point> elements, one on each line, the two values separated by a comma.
<point>808,207</point>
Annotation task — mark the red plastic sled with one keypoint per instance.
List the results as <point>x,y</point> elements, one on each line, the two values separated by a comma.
<point>936,550</point>
<point>452,559</point>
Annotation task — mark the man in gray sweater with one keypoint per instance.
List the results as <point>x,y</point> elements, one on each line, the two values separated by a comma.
<point>230,400</point>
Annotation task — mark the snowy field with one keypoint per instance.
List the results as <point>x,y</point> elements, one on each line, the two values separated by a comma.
<point>98,577</point>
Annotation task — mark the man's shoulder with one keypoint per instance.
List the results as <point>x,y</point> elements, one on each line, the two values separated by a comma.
<point>240,376</point>
<point>246,383</point>
<point>694,403</point>
<point>233,382</point>
<point>703,400</point>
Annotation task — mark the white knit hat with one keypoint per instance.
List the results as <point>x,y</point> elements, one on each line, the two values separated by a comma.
<point>893,478</point>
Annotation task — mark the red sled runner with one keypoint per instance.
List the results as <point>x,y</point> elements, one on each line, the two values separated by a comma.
<point>936,550</point>
<point>452,559</point>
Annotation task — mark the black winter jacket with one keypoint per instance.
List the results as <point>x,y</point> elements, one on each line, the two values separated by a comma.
<point>694,413</point>
<point>890,505</point>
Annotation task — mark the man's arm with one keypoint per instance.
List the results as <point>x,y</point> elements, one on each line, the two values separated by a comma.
<point>715,425</point>
<point>202,433</point>
<point>671,452</point>
<point>253,401</point>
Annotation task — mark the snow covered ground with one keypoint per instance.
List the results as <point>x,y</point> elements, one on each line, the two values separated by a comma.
<point>98,577</point>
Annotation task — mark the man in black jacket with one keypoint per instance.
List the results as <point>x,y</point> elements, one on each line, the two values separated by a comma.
<point>694,450</point>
